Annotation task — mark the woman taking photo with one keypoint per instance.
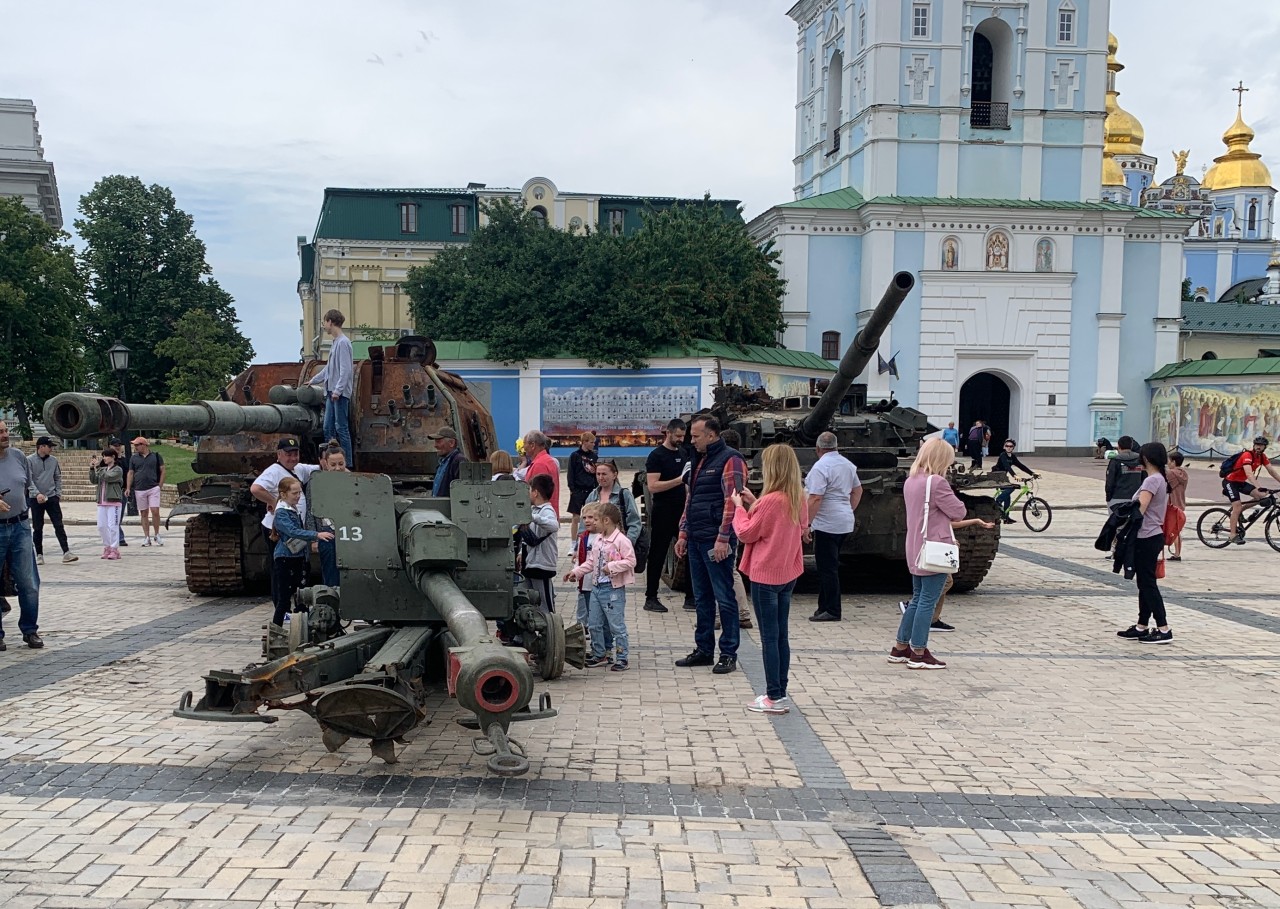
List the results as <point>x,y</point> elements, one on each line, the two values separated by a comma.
<point>609,490</point>
<point>933,522</point>
<point>1153,500</point>
<point>771,528</point>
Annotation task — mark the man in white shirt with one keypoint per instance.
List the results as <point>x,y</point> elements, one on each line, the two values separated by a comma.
<point>338,377</point>
<point>834,492</point>
<point>266,487</point>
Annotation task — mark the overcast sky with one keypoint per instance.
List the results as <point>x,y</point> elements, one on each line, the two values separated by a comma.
<point>248,110</point>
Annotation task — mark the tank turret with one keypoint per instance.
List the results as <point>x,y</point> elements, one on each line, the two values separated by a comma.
<point>855,359</point>
<point>400,397</point>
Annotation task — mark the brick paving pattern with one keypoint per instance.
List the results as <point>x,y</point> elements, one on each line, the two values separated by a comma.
<point>1051,765</point>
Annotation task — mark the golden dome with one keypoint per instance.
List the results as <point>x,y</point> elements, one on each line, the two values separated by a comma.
<point>1124,133</point>
<point>1241,166</point>
<point>1112,175</point>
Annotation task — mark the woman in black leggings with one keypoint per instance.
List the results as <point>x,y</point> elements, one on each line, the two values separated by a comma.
<point>1153,500</point>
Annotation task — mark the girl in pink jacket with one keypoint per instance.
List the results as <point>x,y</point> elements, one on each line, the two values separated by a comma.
<point>612,565</point>
<point>771,528</point>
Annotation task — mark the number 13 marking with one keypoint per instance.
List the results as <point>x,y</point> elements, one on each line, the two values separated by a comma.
<point>350,534</point>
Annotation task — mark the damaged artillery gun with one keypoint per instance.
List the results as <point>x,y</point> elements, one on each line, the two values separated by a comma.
<point>424,576</point>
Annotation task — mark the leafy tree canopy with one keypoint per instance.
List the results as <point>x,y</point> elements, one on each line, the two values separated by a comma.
<point>203,362</point>
<point>527,290</point>
<point>146,270</point>
<point>42,312</point>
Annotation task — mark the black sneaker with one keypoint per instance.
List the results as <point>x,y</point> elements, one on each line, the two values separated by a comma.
<point>697,658</point>
<point>655,605</point>
<point>5,608</point>
<point>940,625</point>
<point>1156,636</point>
<point>3,646</point>
<point>823,617</point>
<point>1008,521</point>
<point>1133,633</point>
<point>690,605</point>
<point>1238,539</point>
<point>593,662</point>
<point>726,665</point>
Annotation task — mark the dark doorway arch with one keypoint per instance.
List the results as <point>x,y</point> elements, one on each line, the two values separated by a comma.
<point>986,396</point>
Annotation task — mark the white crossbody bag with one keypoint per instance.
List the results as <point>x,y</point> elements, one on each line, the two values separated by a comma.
<point>936,558</point>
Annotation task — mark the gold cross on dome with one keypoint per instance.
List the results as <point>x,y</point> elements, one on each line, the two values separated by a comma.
<point>1240,90</point>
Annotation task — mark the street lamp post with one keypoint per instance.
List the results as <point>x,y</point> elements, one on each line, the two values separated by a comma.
<point>118,354</point>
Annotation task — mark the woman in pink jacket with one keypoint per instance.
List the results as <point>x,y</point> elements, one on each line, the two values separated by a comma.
<point>771,528</point>
<point>945,511</point>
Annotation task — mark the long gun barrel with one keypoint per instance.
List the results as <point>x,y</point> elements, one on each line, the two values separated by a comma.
<point>76,415</point>
<point>856,358</point>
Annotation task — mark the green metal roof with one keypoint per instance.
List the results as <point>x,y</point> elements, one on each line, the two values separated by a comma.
<point>1203,369</point>
<point>1248,290</point>
<point>840,198</point>
<point>1231,318</point>
<point>447,351</point>
<point>307,256</point>
<point>849,199</point>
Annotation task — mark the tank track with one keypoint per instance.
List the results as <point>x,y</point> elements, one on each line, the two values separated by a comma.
<point>978,547</point>
<point>212,555</point>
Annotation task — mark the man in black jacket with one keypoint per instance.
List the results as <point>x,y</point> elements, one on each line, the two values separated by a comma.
<point>1006,462</point>
<point>582,478</point>
<point>1124,472</point>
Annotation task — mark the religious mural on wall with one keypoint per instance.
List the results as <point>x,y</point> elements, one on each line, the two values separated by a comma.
<point>950,254</point>
<point>1214,420</point>
<point>1044,255</point>
<point>998,251</point>
<point>619,415</point>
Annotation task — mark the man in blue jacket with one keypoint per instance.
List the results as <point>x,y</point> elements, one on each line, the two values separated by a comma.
<point>707,539</point>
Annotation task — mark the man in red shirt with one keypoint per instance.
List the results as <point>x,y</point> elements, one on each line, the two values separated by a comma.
<point>1236,485</point>
<point>536,445</point>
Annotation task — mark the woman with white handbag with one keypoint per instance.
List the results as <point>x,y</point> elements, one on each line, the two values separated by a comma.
<point>933,509</point>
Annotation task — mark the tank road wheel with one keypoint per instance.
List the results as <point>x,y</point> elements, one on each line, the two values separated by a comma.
<point>978,546</point>
<point>211,554</point>
<point>552,645</point>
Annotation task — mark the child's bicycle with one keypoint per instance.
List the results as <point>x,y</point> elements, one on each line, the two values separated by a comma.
<point>1214,526</point>
<point>1036,513</point>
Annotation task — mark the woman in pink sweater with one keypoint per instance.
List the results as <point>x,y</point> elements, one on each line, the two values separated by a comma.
<point>771,528</point>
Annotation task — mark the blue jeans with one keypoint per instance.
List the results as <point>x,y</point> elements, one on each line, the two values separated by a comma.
<point>584,618</point>
<point>608,616</point>
<point>337,425</point>
<point>329,564</point>
<point>925,593</point>
<point>1003,497</point>
<point>773,611</point>
<point>713,589</point>
<point>18,551</point>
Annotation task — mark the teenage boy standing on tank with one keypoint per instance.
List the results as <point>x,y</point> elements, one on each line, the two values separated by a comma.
<point>338,377</point>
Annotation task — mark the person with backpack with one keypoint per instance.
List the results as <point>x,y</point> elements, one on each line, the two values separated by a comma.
<point>1236,472</point>
<point>1124,472</point>
<point>1152,498</point>
<point>974,444</point>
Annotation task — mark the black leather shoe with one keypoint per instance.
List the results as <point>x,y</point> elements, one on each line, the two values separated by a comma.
<point>690,605</point>
<point>697,658</point>
<point>5,608</point>
<point>3,646</point>
<point>655,605</point>
<point>34,641</point>
<point>823,617</point>
<point>726,665</point>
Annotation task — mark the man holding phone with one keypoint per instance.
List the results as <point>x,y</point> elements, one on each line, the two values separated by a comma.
<point>707,539</point>
<point>17,549</point>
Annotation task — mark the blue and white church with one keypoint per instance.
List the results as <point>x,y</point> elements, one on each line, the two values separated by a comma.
<point>965,141</point>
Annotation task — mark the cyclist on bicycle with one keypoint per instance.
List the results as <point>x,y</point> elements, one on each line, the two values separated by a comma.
<point>1006,462</point>
<point>1236,485</point>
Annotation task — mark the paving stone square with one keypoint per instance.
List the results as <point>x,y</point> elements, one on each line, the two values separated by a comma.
<point>1050,765</point>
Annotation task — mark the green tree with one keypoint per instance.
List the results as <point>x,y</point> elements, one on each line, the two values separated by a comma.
<point>204,361</point>
<point>526,290</point>
<point>42,312</point>
<point>1187,295</point>
<point>146,270</point>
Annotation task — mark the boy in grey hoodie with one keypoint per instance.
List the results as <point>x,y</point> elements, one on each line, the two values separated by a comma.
<point>540,558</point>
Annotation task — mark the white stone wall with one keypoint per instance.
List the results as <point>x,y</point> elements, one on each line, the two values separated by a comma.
<point>1018,326</point>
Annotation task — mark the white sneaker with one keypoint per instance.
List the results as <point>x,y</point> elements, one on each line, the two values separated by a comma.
<point>784,701</point>
<point>40,558</point>
<point>147,541</point>
<point>159,542</point>
<point>902,606</point>
<point>762,704</point>
<point>70,557</point>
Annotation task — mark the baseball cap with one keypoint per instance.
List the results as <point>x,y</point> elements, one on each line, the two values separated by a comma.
<point>141,440</point>
<point>44,440</point>
<point>116,441</point>
<point>288,443</point>
<point>445,432</point>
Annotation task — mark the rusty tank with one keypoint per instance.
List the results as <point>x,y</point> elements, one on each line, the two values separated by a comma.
<point>881,439</point>
<point>400,397</point>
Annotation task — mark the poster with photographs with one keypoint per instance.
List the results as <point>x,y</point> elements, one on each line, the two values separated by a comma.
<point>619,415</point>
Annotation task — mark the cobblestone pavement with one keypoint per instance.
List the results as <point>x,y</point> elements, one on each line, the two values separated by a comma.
<point>1050,765</point>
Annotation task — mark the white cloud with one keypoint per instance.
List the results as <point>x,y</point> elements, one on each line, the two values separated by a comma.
<point>248,110</point>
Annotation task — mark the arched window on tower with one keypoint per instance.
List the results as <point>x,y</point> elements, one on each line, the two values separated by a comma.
<point>835,99</point>
<point>1067,23</point>
<point>991,75</point>
<point>1251,219</point>
<point>831,345</point>
<point>540,214</point>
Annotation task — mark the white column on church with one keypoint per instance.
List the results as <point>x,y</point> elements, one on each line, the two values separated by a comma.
<point>1107,404</point>
<point>1169,302</point>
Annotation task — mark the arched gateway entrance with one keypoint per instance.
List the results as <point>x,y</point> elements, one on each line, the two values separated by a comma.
<point>986,396</point>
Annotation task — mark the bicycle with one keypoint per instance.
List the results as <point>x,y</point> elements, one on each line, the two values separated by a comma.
<point>1214,526</point>
<point>1036,513</point>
